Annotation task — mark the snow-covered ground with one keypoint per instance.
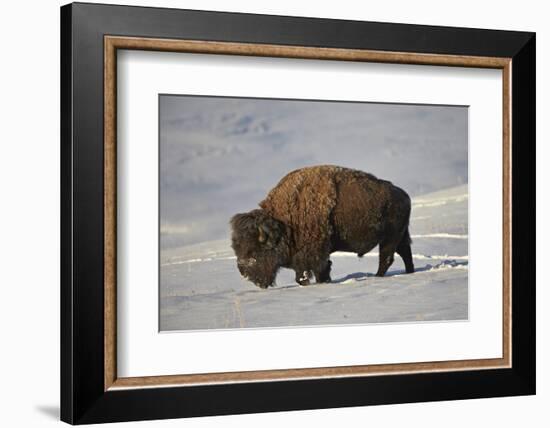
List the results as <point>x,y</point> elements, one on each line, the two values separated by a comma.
<point>202,288</point>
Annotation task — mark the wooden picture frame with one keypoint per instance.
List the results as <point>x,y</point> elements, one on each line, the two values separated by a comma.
<point>91,391</point>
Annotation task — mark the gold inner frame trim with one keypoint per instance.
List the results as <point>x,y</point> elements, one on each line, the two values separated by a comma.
<point>113,43</point>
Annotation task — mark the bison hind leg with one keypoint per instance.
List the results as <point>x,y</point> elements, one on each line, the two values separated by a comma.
<point>404,250</point>
<point>385,260</point>
<point>386,252</point>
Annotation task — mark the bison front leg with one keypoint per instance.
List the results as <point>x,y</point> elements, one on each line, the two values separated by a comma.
<point>303,276</point>
<point>323,273</point>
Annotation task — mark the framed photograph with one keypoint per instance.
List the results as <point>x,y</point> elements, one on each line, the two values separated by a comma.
<point>266,213</point>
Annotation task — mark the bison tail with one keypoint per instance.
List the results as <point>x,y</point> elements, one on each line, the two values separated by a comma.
<point>407,237</point>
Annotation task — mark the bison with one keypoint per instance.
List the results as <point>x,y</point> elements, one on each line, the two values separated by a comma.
<point>315,211</point>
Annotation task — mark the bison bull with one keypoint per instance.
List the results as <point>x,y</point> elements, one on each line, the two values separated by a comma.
<point>315,211</point>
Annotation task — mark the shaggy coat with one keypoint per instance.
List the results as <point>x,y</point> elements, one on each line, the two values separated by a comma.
<point>315,211</point>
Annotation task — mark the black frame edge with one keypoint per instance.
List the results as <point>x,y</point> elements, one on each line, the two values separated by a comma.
<point>66,315</point>
<point>524,213</point>
<point>298,30</point>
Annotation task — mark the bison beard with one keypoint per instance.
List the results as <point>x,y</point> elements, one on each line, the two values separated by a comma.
<point>315,211</point>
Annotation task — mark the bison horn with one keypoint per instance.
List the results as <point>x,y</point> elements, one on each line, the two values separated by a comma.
<point>261,234</point>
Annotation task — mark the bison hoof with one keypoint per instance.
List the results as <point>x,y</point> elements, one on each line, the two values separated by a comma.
<point>304,279</point>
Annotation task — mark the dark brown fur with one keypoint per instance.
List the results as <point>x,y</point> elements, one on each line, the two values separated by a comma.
<point>315,211</point>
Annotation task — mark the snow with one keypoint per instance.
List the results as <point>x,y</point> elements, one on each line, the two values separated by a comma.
<point>202,288</point>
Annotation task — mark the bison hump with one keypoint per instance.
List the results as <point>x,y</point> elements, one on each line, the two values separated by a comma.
<point>304,200</point>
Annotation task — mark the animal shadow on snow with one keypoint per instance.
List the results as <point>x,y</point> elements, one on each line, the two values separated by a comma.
<point>362,276</point>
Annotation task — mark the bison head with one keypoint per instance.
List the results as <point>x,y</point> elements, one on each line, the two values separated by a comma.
<point>259,244</point>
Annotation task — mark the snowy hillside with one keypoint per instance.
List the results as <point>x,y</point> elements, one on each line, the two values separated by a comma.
<point>220,156</point>
<point>201,287</point>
